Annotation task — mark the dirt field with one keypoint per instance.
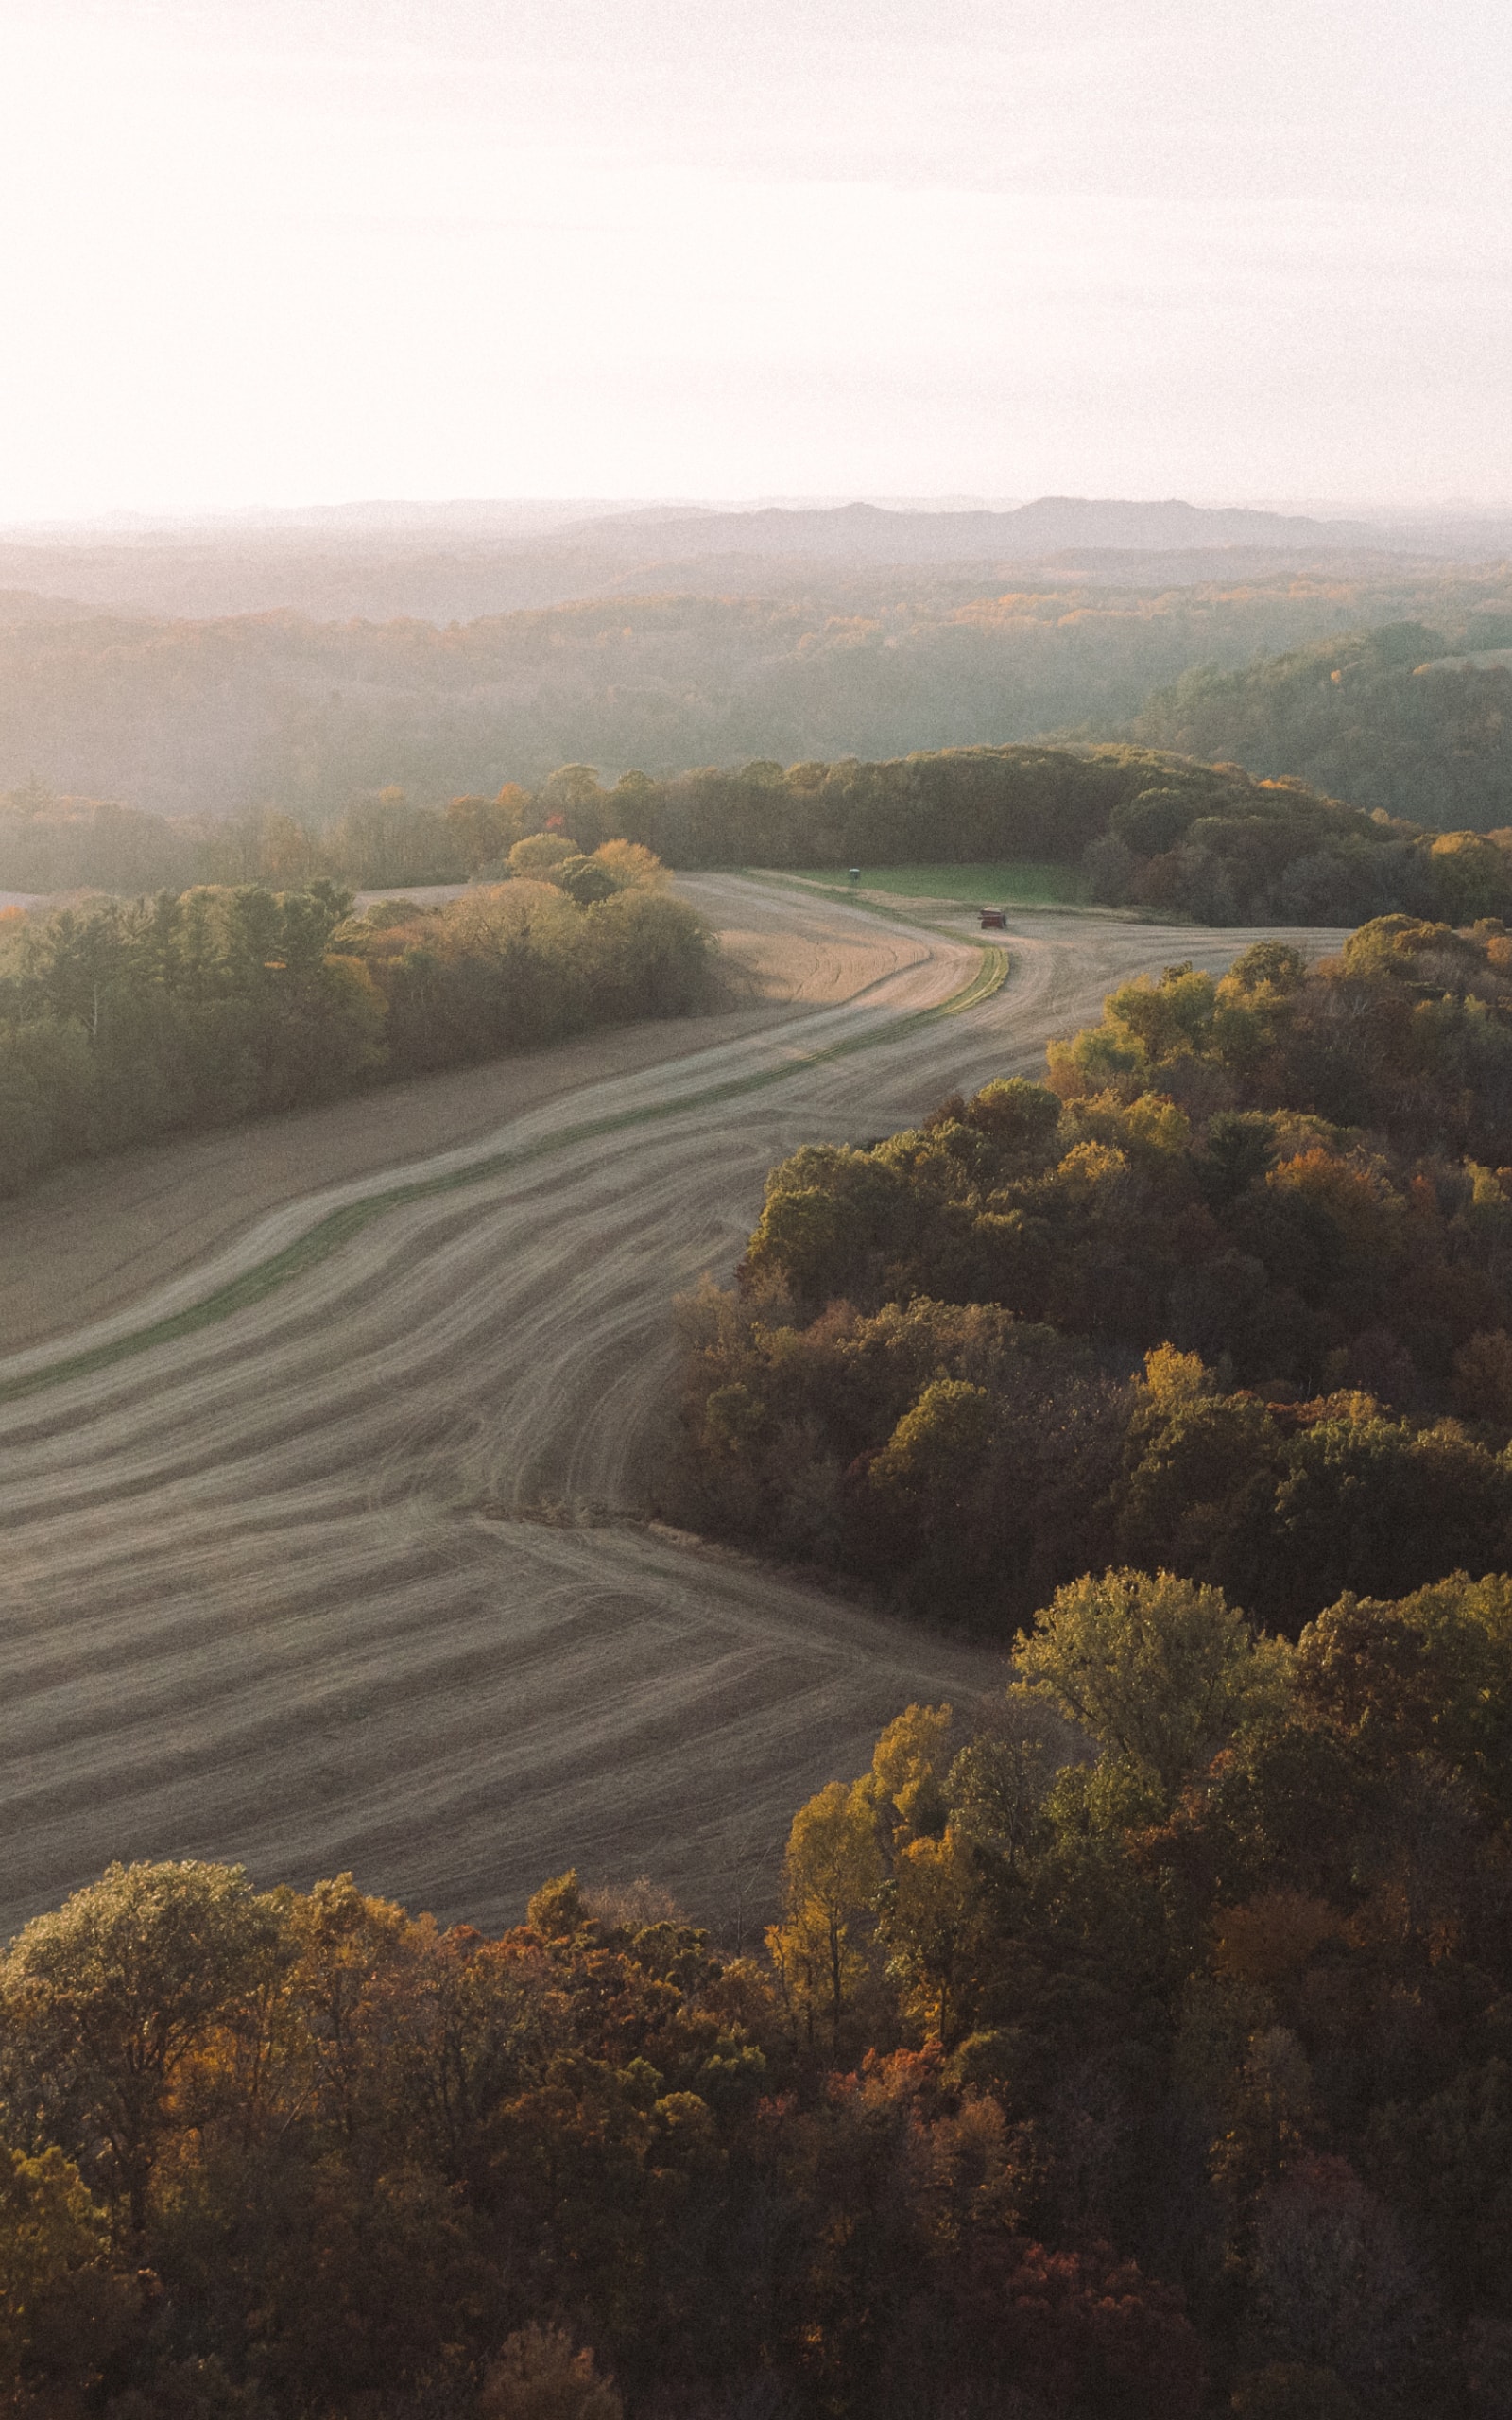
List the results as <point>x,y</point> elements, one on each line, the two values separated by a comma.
<point>266,1593</point>
<point>92,1238</point>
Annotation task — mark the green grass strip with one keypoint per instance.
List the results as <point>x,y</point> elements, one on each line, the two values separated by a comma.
<point>997,884</point>
<point>339,1226</point>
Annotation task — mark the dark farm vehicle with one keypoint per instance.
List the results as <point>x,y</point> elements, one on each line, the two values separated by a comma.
<point>994,919</point>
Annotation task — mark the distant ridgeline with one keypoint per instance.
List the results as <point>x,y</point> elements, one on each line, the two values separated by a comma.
<point>1151,829</point>
<point>1389,717</point>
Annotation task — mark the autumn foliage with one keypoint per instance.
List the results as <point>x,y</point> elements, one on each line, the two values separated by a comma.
<point>1132,2046</point>
<point>1233,1293</point>
<point>121,1020</point>
<point>1141,826</point>
<point>1397,716</point>
<point>283,2155</point>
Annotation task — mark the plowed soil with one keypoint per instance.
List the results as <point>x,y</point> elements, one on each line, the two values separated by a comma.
<point>350,1567</point>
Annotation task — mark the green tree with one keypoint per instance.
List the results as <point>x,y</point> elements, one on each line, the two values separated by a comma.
<point>572,798</point>
<point>1429,1674</point>
<point>103,2001</point>
<point>482,830</point>
<point>1198,1490</point>
<point>1159,1671</point>
<point>533,858</point>
<point>932,1457</point>
<point>1380,1505</point>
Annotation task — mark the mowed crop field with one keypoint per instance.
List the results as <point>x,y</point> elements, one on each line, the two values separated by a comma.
<point>355,1573</point>
<point>997,885</point>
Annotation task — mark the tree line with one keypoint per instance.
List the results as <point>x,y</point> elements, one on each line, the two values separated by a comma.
<point>1131,2046</point>
<point>1154,831</point>
<point>123,1020</point>
<point>1230,1295</point>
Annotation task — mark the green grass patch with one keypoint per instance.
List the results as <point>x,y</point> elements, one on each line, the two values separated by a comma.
<point>979,886</point>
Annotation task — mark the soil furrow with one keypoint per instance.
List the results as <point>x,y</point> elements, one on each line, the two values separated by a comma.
<point>248,1608</point>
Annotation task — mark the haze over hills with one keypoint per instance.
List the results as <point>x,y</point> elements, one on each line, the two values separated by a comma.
<point>458,561</point>
<point>1393,718</point>
<point>299,658</point>
<point>213,715</point>
<point>870,532</point>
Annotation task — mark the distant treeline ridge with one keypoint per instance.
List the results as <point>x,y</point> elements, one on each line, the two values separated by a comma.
<point>1151,829</point>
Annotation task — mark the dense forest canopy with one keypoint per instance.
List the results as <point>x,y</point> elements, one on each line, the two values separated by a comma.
<point>124,1020</point>
<point>1230,1295</point>
<point>212,716</point>
<point>1133,2046</point>
<point>1401,717</point>
<point>1155,831</point>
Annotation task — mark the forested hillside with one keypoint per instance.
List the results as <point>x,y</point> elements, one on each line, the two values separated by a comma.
<point>129,1019</point>
<point>1400,718</point>
<point>211,716</point>
<point>1216,844</point>
<point>1231,1296</point>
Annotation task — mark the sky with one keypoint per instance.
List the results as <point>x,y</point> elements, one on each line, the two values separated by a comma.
<point>286,251</point>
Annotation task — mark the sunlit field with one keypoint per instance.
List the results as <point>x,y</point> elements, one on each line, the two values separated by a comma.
<point>996,885</point>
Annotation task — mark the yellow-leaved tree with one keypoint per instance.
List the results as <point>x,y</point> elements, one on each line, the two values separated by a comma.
<point>844,1844</point>
<point>830,1876</point>
<point>66,2308</point>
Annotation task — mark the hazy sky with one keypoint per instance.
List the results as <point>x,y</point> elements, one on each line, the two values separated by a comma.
<point>283,250</point>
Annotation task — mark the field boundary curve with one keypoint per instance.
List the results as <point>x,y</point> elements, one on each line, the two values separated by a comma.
<point>328,1233</point>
